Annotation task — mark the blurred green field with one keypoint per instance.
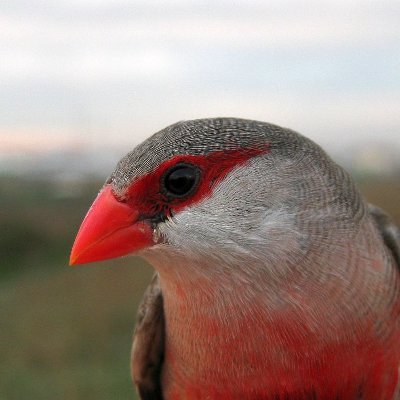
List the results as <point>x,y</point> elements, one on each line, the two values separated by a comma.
<point>65,333</point>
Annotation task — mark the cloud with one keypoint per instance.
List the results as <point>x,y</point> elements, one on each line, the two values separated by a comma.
<point>116,71</point>
<point>90,40</point>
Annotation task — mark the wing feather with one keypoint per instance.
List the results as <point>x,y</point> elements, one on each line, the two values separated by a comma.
<point>148,343</point>
<point>389,231</point>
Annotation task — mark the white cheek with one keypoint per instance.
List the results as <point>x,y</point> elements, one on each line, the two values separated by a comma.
<point>244,218</point>
<point>222,227</point>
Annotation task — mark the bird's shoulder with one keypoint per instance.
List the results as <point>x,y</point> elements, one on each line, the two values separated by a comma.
<point>148,343</point>
<point>389,231</point>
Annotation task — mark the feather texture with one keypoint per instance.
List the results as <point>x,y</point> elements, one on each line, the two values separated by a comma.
<point>148,343</point>
<point>280,282</point>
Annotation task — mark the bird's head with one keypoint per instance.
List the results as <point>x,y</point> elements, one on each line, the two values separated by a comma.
<point>225,189</point>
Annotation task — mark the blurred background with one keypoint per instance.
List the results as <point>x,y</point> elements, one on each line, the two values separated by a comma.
<point>83,81</point>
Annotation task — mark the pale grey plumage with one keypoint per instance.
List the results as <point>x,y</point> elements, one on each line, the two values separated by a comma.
<point>305,211</point>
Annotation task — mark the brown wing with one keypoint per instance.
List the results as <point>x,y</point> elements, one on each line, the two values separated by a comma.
<point>148,343</point>
<point>389,231</point>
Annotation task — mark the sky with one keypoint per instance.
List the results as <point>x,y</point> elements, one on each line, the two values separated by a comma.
<point>105,74</point>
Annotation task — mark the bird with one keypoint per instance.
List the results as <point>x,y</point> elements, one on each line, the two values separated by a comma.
<point>274,278</point>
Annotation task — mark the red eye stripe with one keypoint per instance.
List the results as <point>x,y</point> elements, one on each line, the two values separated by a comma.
<point>147,194</point>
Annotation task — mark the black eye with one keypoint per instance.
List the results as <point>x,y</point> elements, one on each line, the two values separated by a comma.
<point>181,179</point>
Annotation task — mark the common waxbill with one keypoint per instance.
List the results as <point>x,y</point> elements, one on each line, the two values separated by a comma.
<point>274,279</point>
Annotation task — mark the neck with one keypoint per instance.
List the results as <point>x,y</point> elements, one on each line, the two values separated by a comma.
<point>297,334</point>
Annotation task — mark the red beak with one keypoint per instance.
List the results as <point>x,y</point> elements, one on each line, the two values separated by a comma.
<point>110,229</point>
